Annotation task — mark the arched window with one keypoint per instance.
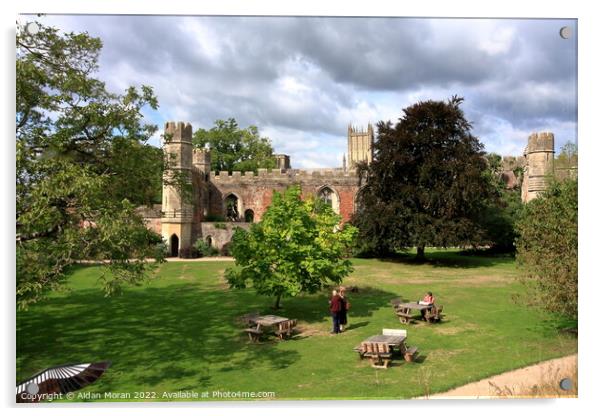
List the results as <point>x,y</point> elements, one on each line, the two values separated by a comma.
<point>249,215</point>
<point>174,245</point>
<point>232,210</point>
<point>329,197</point>
<point>209,241</point>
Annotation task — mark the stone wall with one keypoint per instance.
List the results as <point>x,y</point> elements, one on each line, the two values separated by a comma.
<point>219,234</point>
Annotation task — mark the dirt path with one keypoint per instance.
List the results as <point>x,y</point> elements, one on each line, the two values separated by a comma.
<point>539,380</point>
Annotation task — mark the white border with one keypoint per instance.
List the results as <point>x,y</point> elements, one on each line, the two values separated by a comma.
<point>589,146</point>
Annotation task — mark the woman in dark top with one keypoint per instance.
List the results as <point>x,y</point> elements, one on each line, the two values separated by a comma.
<point>335,310</point>
<point>344,308</point>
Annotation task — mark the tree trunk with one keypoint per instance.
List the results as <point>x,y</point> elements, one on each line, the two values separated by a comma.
<point>277,304</point>
<point>420,253</point>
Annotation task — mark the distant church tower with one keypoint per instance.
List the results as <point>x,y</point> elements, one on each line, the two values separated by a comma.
<point>177,213</point>
<point>359,145</point>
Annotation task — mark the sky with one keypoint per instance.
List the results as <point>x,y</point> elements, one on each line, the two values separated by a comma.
<point>303,80</point>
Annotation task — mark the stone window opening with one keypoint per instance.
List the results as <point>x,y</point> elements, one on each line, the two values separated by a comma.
<point>249,215</point>
<point>209,241</point>
<point>329,197</point>
<point>232,208</point>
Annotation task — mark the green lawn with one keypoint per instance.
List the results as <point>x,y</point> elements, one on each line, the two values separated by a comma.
<point>179,332</point>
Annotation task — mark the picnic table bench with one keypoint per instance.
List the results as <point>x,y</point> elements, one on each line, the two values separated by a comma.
<point>381,348</point>
<point>260,325</point>
<point>403,310</point>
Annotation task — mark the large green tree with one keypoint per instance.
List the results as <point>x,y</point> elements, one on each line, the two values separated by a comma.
<point>298,246</point>
<point>428,181</point>
<point>82,164</point>
<point>547,249</point>
<point>234,148</point>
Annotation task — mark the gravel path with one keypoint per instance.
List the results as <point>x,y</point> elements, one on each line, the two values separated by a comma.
<point>520,383</point>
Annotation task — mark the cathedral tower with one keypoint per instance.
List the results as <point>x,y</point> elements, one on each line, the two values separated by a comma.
<point>359,145</point>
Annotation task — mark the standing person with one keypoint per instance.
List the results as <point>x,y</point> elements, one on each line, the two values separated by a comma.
<point>344,308</point>
<point>335,310</point>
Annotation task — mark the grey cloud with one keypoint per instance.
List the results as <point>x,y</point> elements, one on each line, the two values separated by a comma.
<point>528,82</point>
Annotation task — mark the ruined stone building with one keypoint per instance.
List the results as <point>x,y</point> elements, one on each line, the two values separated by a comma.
<point>222,201</point>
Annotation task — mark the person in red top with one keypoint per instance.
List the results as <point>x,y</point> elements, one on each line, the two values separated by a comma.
<point>335,309</point>
<point>430,299</point>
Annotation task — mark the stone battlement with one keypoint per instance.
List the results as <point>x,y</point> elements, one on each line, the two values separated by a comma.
<point>288,174</point>
<point>178,131</point>
<point>540,142</point>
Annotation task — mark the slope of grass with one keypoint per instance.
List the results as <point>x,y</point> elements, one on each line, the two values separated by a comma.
<point>180,332</point>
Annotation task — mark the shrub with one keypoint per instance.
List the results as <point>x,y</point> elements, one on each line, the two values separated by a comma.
<point>547,249</point>
<point>205,250</point>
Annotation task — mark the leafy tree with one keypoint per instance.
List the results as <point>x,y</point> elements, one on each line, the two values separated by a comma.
<point>568,156</point>
<point>547,249</point>
<point>428,181</point>
<point>80,153</point>
<point>297,247</point>
<point>233,148</point>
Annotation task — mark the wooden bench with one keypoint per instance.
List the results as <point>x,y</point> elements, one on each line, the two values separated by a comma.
<point>405,316</point>
<point>378,352</point>
<point>410,354</point>
<point>285,329</point>
<point>254,333</point>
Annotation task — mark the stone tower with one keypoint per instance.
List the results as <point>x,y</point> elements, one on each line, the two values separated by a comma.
<point>201,160</point>
<point>283,162</point>
<point>177,212</point>
<point>359,145</point>
<point>539,155</point>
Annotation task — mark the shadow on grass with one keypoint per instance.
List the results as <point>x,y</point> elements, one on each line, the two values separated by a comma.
<point>169,336</point>
<point>152,336</point>
<point>452,260</point>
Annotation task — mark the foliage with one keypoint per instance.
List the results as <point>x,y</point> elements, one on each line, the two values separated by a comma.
<point>568,156</point>
<point>204,249</point>
<point>500,213</point>
<point>547,249</point>
<point>298,246</point>
<point>233,148</point>
<point>498,220</point>
<point>427,183</point>
<point>82,164</point>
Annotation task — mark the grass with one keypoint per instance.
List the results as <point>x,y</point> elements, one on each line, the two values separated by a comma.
<point>179,332</point>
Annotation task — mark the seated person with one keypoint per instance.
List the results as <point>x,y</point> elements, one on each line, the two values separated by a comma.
<point>428,299</point>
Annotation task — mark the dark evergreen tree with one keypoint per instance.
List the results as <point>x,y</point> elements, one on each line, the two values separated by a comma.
<point>427,183</point>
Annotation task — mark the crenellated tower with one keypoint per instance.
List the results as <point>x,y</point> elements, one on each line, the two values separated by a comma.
<point>359,145</point>
<point>539,168</point>
<point>177,209</point>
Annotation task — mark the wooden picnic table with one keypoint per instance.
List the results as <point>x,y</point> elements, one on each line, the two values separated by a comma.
<point>268,320</point>
<point>414,306</point>
<point>394,341</point>
<point>380,349</point>
<point>403,310</point>
<point>270,324</point>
